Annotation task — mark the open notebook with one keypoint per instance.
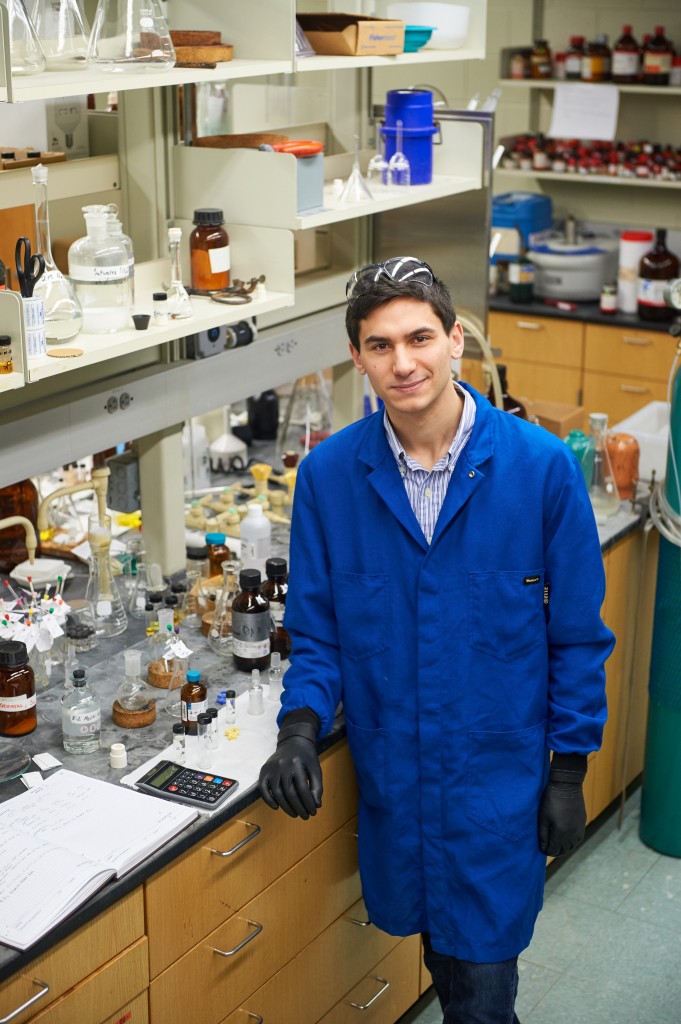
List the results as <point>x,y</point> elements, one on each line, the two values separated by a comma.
<point>64,839</point>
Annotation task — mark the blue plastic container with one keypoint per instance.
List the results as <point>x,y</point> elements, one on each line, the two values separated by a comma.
<point>414,108</point>
<point>528,212</point>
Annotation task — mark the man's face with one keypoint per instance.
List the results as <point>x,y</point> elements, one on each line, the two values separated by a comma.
<point>406,354</point>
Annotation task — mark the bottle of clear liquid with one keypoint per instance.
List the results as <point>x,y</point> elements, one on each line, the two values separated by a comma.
<point>63,32</point>
<point>256,538</point>
<point>220,633</point>
<point>99,269</point>
<point>179,303</point>
<point>130,35</point>
<point>114,229</point>
<point>81,717</point>
<point>63,315</point>
<point>133,694</point>
<point>603,491</point>
<point>255,697</point>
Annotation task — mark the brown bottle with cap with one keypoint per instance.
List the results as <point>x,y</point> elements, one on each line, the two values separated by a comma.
<point>511,405</point>
<point>17,690</point>
<point>657,58</point>
<point>626,58</point>
<point>275,589</point>
<point>540,60</point>
<point>251,624</point>
<point>209,251</point>
<point>573,59</point>
<point>656,269</point>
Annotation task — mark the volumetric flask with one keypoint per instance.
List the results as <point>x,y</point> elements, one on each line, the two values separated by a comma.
<point>603,491</point>
<point>63,315</point>
<point>63,32</point>
<point>26,53</point>
<point>130,34</point>
<point>102,592</point>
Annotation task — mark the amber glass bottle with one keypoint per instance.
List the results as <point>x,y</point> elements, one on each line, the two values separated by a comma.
<point>193,697</point>
<point>17,690</point>
<point>657,58</point>
<point>17,500</point>
<point>275,589</point>
<point>540,60</point>
<point>596,60</point>
<point>656,269</point>
<point>626,58</point>
<point>573,59</point>
<point>218,552</point>
<point>511,404</point>
<point>209,251</point>
<point>251,624</point>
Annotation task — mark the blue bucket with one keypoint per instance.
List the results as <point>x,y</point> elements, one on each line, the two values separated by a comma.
<point>414,108</point>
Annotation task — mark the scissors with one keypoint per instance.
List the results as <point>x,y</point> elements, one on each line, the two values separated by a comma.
<point>30,268</point>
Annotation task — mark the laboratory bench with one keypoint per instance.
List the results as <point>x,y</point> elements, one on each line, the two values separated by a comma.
<point>584,312</point>
<point>146,943</point>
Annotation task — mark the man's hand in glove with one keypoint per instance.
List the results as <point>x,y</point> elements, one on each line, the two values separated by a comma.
<point>562,813</point>
<point>292,777</point>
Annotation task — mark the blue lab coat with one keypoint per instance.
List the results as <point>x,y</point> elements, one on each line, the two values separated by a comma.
<point>456,677</point>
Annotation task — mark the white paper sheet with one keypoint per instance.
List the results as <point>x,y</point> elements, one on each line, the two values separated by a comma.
<point>584,112</point>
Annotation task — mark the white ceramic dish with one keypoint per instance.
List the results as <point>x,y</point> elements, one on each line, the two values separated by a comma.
<point>42,572</point>
<point>450,21</point>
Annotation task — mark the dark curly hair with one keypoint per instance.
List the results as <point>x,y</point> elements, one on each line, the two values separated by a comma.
<point>369,294</point>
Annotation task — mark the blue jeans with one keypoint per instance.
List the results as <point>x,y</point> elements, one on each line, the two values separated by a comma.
<point>472,993</point>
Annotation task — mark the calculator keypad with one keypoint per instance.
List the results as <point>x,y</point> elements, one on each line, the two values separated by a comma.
<point>199,786</point>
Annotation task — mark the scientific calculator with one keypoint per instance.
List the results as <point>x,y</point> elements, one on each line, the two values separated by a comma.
<point>187,785</point>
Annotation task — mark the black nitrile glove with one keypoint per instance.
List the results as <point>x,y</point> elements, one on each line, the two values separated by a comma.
<point>292,777</point>
<point>562,812</point>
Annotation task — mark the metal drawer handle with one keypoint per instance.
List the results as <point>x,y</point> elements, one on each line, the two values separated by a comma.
<point>362,924</point>
<point>235,849</point>
<point>636,341</point>
<point>249,938</point>
<point>255,1016</point>
<point>365,1006</point>
<point>24,1006</point>
<point>632,390</point>
<point>529,325</point>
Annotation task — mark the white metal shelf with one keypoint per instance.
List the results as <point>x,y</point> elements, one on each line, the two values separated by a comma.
<point>67,179</point>
<point>10,381</point>
<point>588,179</point>
<point>331,63</point>
<point>550,84</point>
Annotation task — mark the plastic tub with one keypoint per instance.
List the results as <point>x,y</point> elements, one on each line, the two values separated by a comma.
<point>414,108</point>
<point>416,36</point>
<point>450,20</point>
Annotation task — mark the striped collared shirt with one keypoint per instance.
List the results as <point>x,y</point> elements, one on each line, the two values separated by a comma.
<point>426,489</point>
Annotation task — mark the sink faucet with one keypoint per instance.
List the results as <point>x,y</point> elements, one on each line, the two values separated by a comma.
<point>31,542</point>
<point>98,484</point>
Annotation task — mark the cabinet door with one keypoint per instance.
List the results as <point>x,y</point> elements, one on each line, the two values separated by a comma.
<point>537,339</point>
<point>203,889</point>
<point>548,383</point>
<point>628,353</point>
<point>619,396</point>
<point>386,992</point>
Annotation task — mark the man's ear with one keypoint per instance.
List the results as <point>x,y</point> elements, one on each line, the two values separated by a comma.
<point>356,358</point>
<point>457,341</point>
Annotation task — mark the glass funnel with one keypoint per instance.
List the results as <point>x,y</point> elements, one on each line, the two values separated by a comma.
<point>102,592</point>
<point>220,634</point>
<point>63,315</point>
<point>130,35</point>
<point>356,189</point>
<point>172,703</point>
<point>63,32</point>
<point>26,53</point>
<point>603,491</point>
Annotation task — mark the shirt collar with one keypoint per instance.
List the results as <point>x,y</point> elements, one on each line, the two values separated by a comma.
<point>445,461</point>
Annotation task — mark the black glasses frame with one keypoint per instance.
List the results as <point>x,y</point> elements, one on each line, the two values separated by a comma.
<point>398,269</point>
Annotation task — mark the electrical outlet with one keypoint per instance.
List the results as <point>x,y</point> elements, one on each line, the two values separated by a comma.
<point>125,400</point>
<point>112,404</point>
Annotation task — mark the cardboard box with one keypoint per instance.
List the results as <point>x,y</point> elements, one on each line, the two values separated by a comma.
<point>352,35</point>
<point>67,126</point>
<point>558,418</point>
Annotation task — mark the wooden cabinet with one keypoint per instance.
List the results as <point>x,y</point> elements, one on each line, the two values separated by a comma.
<point>543,355</point>
<point>625,369</point>
<point>385,992</point>
<point>618,396</point>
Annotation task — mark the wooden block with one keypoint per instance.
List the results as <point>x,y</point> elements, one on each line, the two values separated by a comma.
<point>213,53</point>
<point>189,37</point>
<point>22,159</point>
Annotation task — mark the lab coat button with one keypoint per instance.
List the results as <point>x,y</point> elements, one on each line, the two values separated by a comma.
<point>471,474</point>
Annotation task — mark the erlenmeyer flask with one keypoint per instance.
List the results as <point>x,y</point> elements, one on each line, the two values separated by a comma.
<point>63,315</point>
<point>130,34</point>
<point>26,53</point>
<point>172,703</point>
<point>356,189</point>
<point>399,171</point>
<point>603,492</point>
<point>220,634</point>
<point>63,33</point>
<point>102,592</point>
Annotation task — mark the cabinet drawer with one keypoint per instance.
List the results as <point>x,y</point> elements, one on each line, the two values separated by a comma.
<point>74,958</point>
<point>104,991</point>
<point>315,980</point>
<point>620,396</point>
<point>386,992</point>
<point>262,937</point>
<point>135,1011</point>
<point>201,890</point>
<point>537,339</point>
<point>547,383</point>
<point>630,353</point>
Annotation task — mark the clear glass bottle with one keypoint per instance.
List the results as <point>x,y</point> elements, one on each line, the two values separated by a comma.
<point>100,272</point>
<point>63,32</point>
<point>114,229</point>
<point>602,487</point>
<point>102,592</point>
<point>178,743</point>
<point>193,698</point>
<point>81,717</point>
<point>172,702</point>
<point>204,735</point>
<point>130,35</point>
<point>179,303</point>
<point>251,624</point>
<point>26,53</point>
<point>18,714</point>
<point>220,633</point>
<point>63,315</point>
<point>256,704</point>
<point>133,694</point>
<point>276,677</point>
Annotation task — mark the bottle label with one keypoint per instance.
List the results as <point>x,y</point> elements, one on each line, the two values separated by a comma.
<point>101,275</point>
<point>17,703</point>
<point>251,627</point>
<point>521,273</point>
<point>573,65</point>
<point>594,66</point>
<point>651,293</point>
<point>192,709</point>
<point>86,721</point>
<point>657,63</point>
<point>251,649</point>
<point>624,63</point>
<point>219,259</point>
<point>277,613</point>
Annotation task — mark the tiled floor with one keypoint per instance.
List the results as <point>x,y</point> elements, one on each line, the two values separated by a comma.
<point>607,945</point>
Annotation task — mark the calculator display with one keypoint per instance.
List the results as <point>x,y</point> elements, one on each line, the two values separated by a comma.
<point>161,777</point>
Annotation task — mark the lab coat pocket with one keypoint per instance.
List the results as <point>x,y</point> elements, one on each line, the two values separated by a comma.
<point>361,602</point>
<point>369,749</point>
<point>505,778</point>
<point>506,612</point>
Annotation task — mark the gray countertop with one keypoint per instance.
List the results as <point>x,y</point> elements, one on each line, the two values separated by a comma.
<point>585,312</point>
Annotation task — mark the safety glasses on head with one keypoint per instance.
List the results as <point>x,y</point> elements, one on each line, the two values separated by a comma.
<point>400,269</point>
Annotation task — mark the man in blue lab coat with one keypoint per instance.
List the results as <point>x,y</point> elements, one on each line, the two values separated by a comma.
<point>446,581</point>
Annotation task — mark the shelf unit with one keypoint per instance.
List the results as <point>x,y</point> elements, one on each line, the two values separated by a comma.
<point>67,179</point>
<point>549,84</point>
<point>587,179</point>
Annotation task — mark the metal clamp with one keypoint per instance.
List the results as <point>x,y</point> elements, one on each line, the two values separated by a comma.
<point>365,1006</point>
<point>29,1002</point>
<point>235,849</point>
<point>249,938</point>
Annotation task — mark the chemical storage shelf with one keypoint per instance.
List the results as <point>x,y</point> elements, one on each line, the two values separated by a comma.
<point>588,179</point>
<point>544,83</point>
<point>331,63</point>
<point>67,179</point>
<point>10,381</point>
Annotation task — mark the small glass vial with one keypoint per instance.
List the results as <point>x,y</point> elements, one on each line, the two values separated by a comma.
<point>178,743</point>
<point>160,308</point>
<point>193,697</point>
<point>276,677</point>
<point>218,552</point>
<point>204,735</point>
<point>256,705</point>
<point>209,251</point>
<point>6,364</point>
<point>17,690</point>
<point>251,624</point>
<point>214,732</point>
<point>608,300</point>
<point>230,707</point>
<point>81,717</point>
